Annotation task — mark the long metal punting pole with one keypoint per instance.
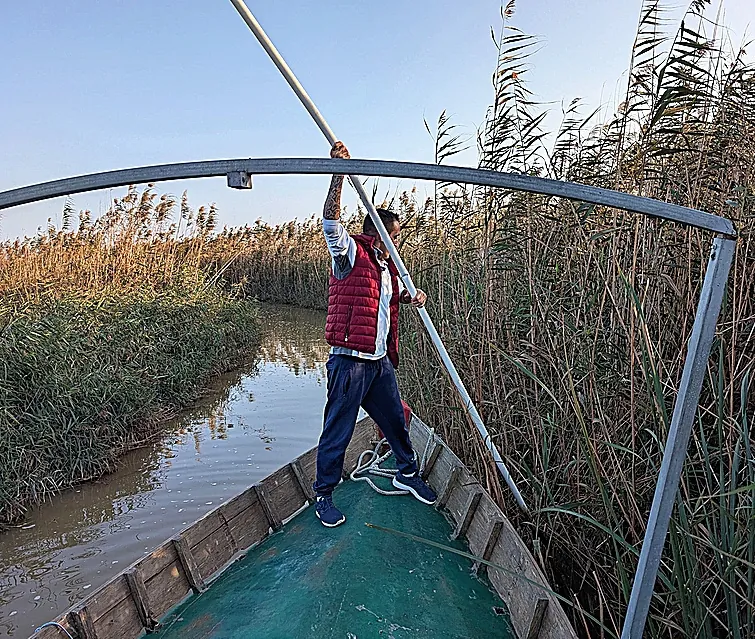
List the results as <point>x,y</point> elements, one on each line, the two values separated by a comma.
<point>276,57</point>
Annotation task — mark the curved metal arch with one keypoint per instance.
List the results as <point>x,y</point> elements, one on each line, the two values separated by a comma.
<point>372,168</point>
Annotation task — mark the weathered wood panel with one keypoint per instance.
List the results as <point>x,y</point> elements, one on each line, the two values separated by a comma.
<point>107,597</point>
<point>482,524</point>
<point>273,518</point>
<point>188,563</point>
<point>120,622</point>
<point>108,604</point>
<point>308,464</point>
<point>167,588</point>
<point>250,526</point>
<point>197,532</point>
<point>304,484</point>
<point>141,598</point>
<point>432,457</point>
<point>213,552</point>
<point>365,436</point>
<point>467,514</point>
<point>51,632</point>
<point>445,463</point>
<point>479,568</point>
<point>459,497</point>
<point>520,596</point>
<point>81,620</point>
<point>536,623</point>
<point>235,506</point>
<point>162,556</point>
<point>283,492</point>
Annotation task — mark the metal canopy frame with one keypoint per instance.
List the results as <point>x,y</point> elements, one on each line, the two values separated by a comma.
<point>239,174</point>
<point>370,168</point>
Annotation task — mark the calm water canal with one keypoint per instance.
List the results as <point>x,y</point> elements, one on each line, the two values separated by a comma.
<point>252,422</point>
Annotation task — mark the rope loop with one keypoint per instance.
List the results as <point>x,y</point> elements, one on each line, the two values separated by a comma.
<point>369,464</point>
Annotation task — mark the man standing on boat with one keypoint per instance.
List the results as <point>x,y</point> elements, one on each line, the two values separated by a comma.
<point>362,329</point>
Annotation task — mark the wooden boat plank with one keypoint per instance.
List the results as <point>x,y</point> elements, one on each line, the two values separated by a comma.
<point>213,553</point>
<point>538,616</point>
<point>432,457</point>
<point>304,484</point>
<point>480,568</point>
<point>450,482</point>
<point>81,620</point>
<point>167,588</point>
<point>250,526</point>
<point>458,498</point>
<point>115,591</point>
<point>283,492</point>
<point>273,520</point>
<point>520,596</point>
<point>161,557</point>
<point>119,622</point>
<point>468,512</point>
<point>365,436</point>
<point>189,564</point>
<point>236,505</point>
<point>201,529</point>
<point>216,519</point>
<point>482,525</point>
<point>230,539</point>
<point>308,464</point>
<point>444,464</point>
<point>107,597</point>
<point>51,632</point>
<point>419,437</point>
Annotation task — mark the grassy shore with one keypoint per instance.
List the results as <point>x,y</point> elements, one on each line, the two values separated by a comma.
<point>104,331</point>
<point>569,322</point>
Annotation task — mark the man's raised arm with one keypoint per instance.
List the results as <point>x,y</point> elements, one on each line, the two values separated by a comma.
<point>340,244</point>
<point>332,208</point>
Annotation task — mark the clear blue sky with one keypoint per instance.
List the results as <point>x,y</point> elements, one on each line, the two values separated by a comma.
<point>91,86</point>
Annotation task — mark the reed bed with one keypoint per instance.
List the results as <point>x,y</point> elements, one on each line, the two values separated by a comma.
<point>286,263</point>
<point>104,331</point>
<point>569,322</point>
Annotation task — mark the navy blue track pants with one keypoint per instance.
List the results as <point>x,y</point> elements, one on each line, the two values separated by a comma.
<point>354,382</point>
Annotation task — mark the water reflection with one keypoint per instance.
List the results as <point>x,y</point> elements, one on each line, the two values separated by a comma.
<point>250,423</point>
<point>295,339</point>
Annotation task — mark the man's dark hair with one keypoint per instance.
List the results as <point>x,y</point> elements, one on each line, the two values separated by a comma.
<point>389,218</point>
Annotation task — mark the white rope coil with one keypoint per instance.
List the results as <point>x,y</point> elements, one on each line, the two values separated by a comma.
<point>369,464</point>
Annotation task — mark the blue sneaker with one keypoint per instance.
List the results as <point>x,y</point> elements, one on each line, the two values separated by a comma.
<point>327,513</point>
<point>416,486</point>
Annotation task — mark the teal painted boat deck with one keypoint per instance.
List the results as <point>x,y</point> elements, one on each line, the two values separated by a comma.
<point>351,582</point>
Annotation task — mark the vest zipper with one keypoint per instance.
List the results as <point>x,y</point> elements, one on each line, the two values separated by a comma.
<point>348,323</point>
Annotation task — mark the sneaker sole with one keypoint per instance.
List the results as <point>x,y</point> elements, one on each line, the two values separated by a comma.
<point>327,525</point>
<point>400,486</point>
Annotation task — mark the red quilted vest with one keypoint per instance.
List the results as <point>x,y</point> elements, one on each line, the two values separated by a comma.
<point>354,303</point>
